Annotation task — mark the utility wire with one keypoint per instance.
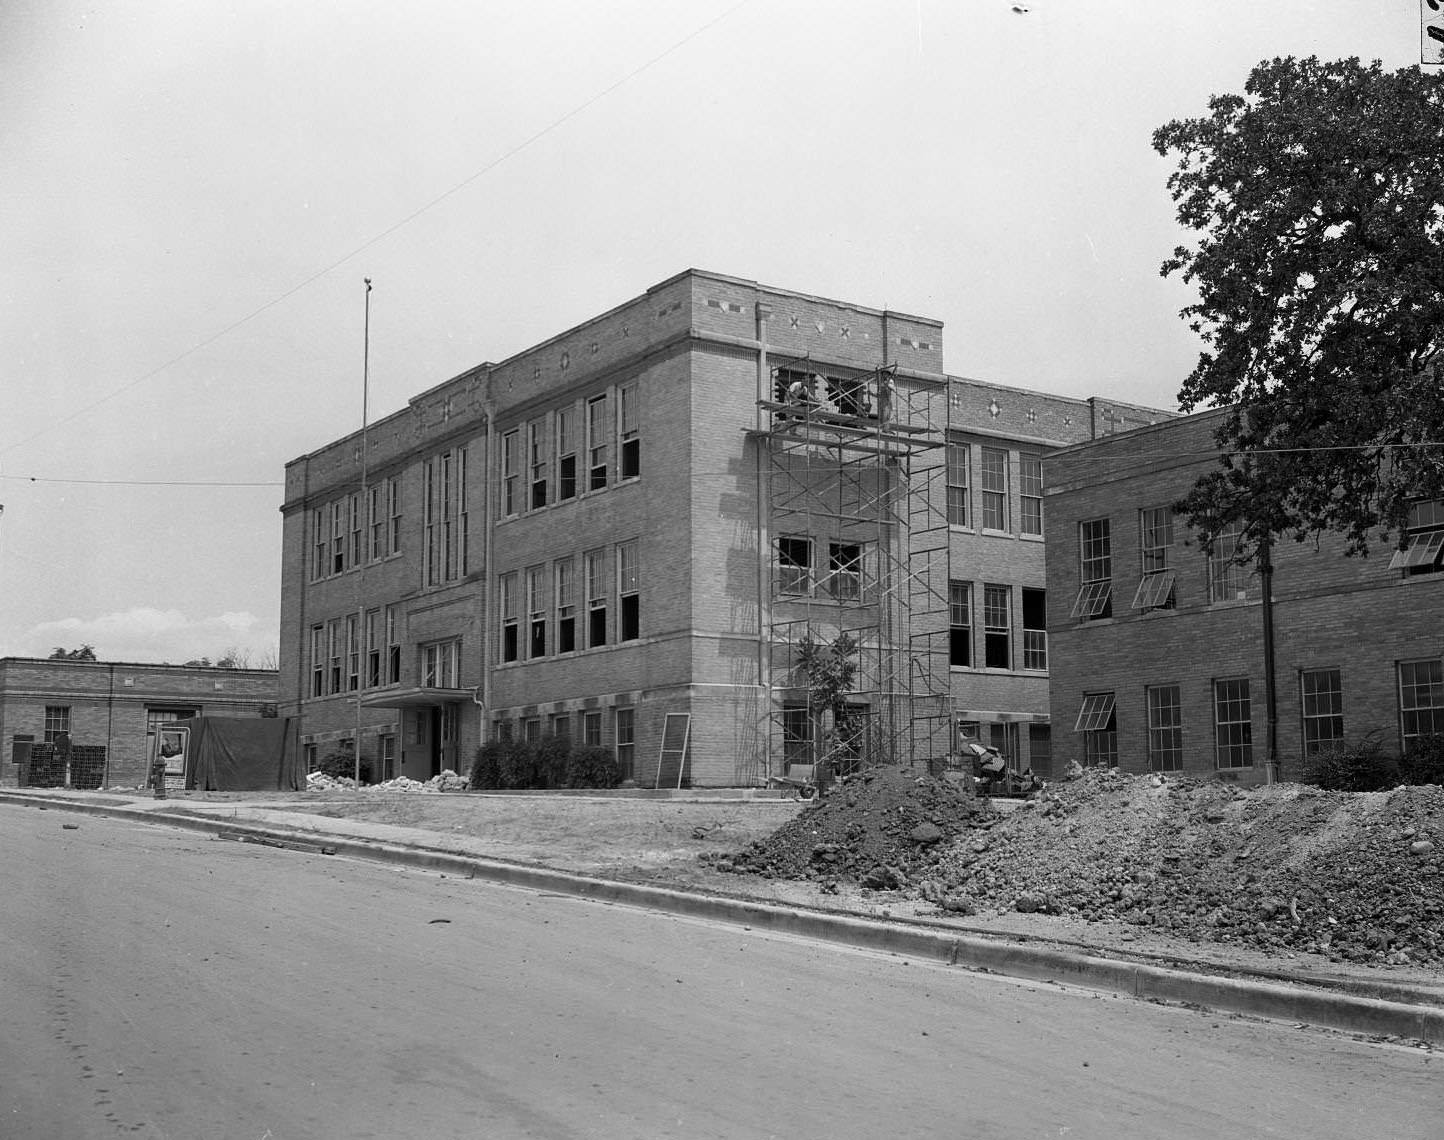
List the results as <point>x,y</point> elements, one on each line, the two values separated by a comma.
<point>389,230</point>
<point>143,482</point>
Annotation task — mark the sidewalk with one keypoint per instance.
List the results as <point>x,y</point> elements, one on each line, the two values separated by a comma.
<point>1411,1009</point>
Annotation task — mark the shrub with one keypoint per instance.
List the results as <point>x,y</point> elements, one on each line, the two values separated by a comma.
<point>341,762</point>
<point>1424,762</point>
<point>592,766</point>
<point>486,768</point>
<point>1359,767</point>
<point>518,765</point>
<point>552,755</point>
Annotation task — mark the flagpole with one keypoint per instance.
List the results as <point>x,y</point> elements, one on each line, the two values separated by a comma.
<point>362,510</point>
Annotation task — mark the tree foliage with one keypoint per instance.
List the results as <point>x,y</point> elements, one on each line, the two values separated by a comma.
<point>1317,199</point>
<point>84,653</point>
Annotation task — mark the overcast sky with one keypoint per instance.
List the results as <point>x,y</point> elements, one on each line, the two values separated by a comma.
<point>194,190</point>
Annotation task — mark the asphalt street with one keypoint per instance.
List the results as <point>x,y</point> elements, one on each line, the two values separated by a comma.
<point>160,983</point>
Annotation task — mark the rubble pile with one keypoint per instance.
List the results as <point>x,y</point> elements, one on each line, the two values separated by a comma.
<point>1289,869</point>
<point>447,781</point>
<point>881,829</point>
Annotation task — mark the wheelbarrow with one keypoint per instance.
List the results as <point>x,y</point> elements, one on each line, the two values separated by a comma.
<point>800,779</point>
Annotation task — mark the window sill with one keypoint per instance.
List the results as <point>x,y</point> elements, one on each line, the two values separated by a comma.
<point>1030,538</point>
<point>990,532</point>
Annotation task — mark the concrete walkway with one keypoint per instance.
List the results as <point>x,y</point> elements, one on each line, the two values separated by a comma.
<point>1413,1011</point>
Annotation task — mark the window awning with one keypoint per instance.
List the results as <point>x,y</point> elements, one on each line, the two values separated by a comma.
<point>1423,550</point>
<point>1093,598</point>
<point>1154,591</point>
<point>412,697</point>
<point>1096,713</point>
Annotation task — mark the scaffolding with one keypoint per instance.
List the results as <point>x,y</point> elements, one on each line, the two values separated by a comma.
<point>854,498</point>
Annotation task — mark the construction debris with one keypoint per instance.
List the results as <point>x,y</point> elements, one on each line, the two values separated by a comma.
<point>1288,868</point>
<point>447,781</point>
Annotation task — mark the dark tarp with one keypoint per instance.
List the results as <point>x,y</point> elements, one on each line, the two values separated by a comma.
<point>232,754</point>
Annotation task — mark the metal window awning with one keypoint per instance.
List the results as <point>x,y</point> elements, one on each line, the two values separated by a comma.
<point>1154,590</point>
<point>1093,598</point>
<point>1423,550</point>
<point>413,696</point>
<point>1096,713</point>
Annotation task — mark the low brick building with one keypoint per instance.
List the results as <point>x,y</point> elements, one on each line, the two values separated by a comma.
<point>1158,652</point>
<point>110,708</point>
<point>623,535</point>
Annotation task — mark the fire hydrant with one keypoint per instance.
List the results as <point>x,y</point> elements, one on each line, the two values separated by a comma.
<point>157,776</point>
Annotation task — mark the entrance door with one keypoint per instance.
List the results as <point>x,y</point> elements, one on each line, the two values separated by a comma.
<point>444,723</point>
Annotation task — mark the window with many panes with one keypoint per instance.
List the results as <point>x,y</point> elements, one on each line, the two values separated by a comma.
<point>373,648</point>
<point>1035,628</point>
<point>393,646</point>
<point>1095,567</point>
<point>844,571</point>
<point>994,488</point>
<point>627,743</point>
<point>335,650</point>
<point>796,736</point>
<point>376,522</point>
<point>1321,703</point>
<point>566,605</point>
<point>596,443</point>
<point>1098,724</point>
<point>1421,700</point>
<point>997,627</point>
<point>1233,724</point>
<point>958,458</point>
<point>536,612</point>
<point>441,665</point>
<point>353,653</point>
<point>338,536</point>
<point>1422,551</point>
<point>444,517</point>
<point>1228,577</point>
<point>960,623</point>
<point>630,459</point>
<point>1155,547</point>
<point>592,728</point>
<point>320,544</point>
<point>57,722</point>
<point>511,473</point>
<point>353,509</point>
<point>566,443</point>
<point>536,447</point>
<point>1030,495</point>
<point>507,608</point>
<point>1165,728</point>
<point>393,506</point>
<point>594,571</point>
<point>318,660</point>
<point>629,620</point>
<point>794,565</point>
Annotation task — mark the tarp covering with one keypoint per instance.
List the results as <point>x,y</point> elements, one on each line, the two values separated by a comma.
<point>233,754</point>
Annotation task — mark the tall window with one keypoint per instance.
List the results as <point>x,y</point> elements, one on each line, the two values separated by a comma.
<point>1321,699</point>
<point>1233,724</point>
<point>441,665</point>
<point>566,605</point>
<point>628,599</point>
<point>1095,595</point>
<point>1423,539</point>
<point>335,649</point>
<point>1098,722</point>
<point>997,628</point>
<point>592,728</point>
<point>1030,494</point>
<point>393,647</point>
<point>537,452</point>
<point>631,442</point>
<point>353,508</point>
<point>353,653</point>
<point>393,506</point>
<point>373,648</point>
<point>844,570</point>
<point>1421,700</point>
<point>593,569</point>
<point>506,606</point>
<point>960,623</point>
<point>627,743</point>
<point>1227,577</point>
<point>596,443</point>
<point>444,517</point>
<point>995,488</point>
<point>794,565</point>
<point>1035,629</point>
<point>958,484</point>
<point>320,544</point>
<point>1155,545</point>
<point>536,611</point>
<point>318,660</point>
<point>796,736</point>
<point>57,722</point>
<point>376,522</point>
<point>510,473</point>
<point>1165,729</point>
<point>338,536</point>
<point>566,428</point>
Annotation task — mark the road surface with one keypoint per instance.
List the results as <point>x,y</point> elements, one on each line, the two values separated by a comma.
<point>163,984</point>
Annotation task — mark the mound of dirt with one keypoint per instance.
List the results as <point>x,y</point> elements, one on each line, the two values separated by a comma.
<point>881,829</point>
<point>1352,876</point>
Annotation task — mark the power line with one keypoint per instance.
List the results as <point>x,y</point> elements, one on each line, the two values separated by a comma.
<point>143,482</point>
<point>388,231</point>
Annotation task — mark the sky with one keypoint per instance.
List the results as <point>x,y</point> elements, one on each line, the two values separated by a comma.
<point>194,191</point>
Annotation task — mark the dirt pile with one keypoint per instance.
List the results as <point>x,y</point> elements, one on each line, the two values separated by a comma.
<point>882,829</point>
<point>1353,876</point>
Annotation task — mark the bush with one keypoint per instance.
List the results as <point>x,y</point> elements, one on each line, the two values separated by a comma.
<point>486,767</point>
<point>341,762</point>
<point>1424,762</point>
<point>552,754</point>
<point>1360,767</point>
<point>592,766</point>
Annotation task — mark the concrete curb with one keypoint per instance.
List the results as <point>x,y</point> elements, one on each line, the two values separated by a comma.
<point>1013,958</point>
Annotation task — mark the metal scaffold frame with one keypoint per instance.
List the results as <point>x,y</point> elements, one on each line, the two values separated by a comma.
<point>855,499</point>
